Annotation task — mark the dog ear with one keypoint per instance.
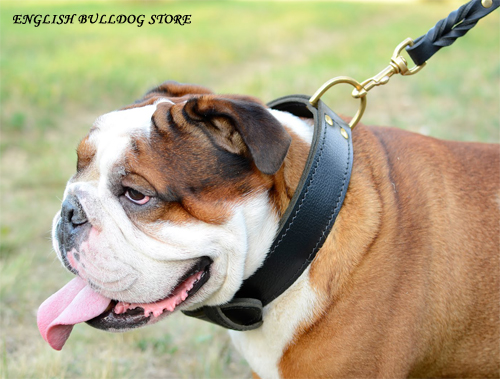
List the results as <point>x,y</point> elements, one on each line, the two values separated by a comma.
<point>241,124</point>
<point>171,88</point>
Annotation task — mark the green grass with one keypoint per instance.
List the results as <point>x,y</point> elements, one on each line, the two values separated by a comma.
<point>56,79</point>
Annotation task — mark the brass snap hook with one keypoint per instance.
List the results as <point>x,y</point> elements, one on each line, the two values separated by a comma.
<point>397,65</point>
<point>341,80</point>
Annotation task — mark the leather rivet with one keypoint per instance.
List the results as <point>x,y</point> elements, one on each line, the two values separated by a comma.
<point>486,3</point>
<point>328,120</point>
<point>344,133</point>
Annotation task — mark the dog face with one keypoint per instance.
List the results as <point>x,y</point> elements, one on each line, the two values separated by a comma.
<point>170,206</point>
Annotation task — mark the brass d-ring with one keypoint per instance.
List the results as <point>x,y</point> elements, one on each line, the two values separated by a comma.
<point>340,80</point>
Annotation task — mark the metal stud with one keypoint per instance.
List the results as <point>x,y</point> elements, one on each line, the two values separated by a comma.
<point>486,3</point>
<point>328,120</point>
<point>344,133</point>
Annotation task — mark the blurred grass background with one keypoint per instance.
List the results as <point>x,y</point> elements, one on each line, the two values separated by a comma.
<point>56,79</point>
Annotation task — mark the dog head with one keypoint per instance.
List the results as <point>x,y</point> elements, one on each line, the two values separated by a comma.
<point>170,205</point>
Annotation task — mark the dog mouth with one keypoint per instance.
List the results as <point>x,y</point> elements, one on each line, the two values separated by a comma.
<point>77,302</point>
<point>120,316</point>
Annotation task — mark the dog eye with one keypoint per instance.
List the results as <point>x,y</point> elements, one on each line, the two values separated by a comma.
<point>136,197</point>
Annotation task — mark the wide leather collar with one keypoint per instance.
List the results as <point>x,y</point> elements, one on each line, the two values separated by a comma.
<point>306,223</point>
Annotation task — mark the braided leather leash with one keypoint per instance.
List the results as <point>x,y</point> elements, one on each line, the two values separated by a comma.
<point>447,30</point>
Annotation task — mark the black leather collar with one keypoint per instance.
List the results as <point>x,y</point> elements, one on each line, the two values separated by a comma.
<point>306,223</point>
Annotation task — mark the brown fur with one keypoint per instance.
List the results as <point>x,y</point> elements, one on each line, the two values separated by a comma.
<point>410,272</point>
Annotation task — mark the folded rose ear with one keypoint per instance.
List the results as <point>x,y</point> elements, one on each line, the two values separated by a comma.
<point>241,124</point>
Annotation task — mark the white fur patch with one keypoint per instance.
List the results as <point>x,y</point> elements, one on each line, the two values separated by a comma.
<point>114,130</point>
<point>298,126</point>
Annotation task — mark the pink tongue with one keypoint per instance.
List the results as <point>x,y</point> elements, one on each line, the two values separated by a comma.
<point>74,303</point>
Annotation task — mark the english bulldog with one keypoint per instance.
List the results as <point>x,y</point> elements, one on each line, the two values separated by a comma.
<point>176,201</point>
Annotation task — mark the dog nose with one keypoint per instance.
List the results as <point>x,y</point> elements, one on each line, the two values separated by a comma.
<point>72,211</point>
